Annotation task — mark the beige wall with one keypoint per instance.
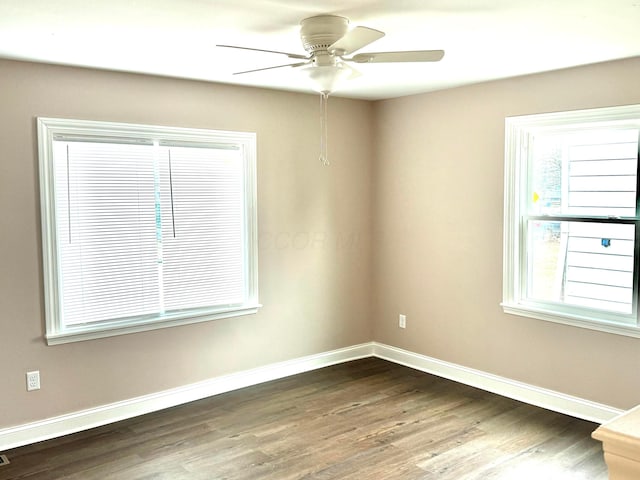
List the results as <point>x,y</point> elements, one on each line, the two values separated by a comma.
<point>437,238</point>
<point>314,223</point>
<point>408,219</point>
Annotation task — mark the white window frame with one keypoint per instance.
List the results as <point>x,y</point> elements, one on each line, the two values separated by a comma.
<point>52,128</point>
<point>518,131</point>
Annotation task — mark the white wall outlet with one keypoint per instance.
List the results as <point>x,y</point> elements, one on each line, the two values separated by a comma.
<point>402,321</point>
<point>33,380</point>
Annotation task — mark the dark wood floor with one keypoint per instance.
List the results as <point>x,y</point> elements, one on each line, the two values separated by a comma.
<point>367,419</point>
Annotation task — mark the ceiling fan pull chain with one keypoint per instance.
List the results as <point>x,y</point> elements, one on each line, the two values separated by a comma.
<point>324,127</point>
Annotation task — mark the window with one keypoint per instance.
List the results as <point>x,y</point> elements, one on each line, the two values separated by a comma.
<point>572,223</point>
<point>145,227</point>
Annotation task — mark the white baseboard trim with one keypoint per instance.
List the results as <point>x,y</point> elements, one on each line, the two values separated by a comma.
<point>94,417</point>
<point>540,397</point>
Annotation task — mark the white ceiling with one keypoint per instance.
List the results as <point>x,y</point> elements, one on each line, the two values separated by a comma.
<point>483,39</point>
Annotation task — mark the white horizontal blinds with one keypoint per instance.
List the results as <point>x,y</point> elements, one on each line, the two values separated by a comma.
<point>602,168</point>
<point>106,232</point>
<point>148,230</point>
<point>203,218</point>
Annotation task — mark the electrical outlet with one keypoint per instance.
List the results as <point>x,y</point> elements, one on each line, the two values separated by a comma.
<point>33,380</point>
<point>402,321</point>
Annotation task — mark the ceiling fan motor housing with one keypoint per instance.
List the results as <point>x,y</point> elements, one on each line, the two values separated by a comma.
<point>320,32</point>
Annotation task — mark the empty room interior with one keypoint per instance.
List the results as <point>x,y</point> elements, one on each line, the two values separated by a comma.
<point>394,289</point>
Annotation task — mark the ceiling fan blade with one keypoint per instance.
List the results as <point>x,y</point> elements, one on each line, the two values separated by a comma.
<point>354,40</point>
<point>299,64</point>
<point>409,56</point>
<point>290,55</point>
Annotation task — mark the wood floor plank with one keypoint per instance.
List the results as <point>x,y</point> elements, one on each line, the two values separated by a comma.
<point>367,419</point>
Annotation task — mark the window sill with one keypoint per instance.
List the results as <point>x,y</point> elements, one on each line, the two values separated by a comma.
<point>83,333</point>
<point>572,320</point>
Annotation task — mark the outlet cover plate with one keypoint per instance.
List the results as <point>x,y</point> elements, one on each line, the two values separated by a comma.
<point>33,380</point>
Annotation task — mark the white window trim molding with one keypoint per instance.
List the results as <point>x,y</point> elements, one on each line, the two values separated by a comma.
<point>517,131</point>
<point>48,129</point>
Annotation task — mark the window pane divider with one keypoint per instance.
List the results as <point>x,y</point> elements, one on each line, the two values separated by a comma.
<point>582,218</point>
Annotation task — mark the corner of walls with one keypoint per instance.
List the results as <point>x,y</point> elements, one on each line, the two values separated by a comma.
<point>437,233</point>
<point>314,235</point>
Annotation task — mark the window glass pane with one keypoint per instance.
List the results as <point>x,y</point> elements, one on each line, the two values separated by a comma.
<point>588,173</point>
<point>586,264</point>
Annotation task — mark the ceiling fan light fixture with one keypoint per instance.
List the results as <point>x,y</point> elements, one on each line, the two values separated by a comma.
<point>327,78</point>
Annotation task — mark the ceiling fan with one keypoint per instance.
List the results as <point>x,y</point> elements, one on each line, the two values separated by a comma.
<point>329,43</point>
